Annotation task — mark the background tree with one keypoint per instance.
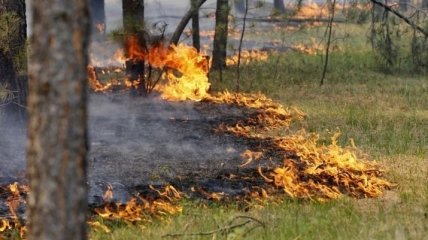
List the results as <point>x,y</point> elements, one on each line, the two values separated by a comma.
<point>133,15</point>
<point>98,19</point>
<point>57,132</point>
<point>195,25</point>
<point>425,4</point>
<point>13,35</point>
<point>133,24</point>
<point>220,35</point>
<point>278,6</point>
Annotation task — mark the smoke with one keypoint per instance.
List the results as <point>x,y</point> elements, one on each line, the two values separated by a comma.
<point>12,148</point>
<point>138,141</point>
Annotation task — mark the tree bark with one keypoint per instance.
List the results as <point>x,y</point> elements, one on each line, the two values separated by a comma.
<point>13,63</point>
<point>57,128</point>
<point>195,25</point>
<point>220,35</point>
<point>133,16</point>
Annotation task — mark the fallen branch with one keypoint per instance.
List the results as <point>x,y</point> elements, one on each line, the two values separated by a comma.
<point>225,229</point>
<point>404,18</point>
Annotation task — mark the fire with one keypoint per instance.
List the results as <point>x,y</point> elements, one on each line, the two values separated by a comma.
<point>14,200</point>
<point>313,48</point>
<point>318,171</point>
<point>139,208</point>
<point>312,10</point>
<point>247,56</point>
<point>183,69</point>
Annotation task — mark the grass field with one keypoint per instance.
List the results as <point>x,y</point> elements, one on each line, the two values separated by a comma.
<point>386,115</point>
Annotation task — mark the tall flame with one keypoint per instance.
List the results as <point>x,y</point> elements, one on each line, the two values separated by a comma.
<point>185,69</point>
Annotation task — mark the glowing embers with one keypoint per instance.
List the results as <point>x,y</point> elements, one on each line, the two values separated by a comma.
<point>182,71</point>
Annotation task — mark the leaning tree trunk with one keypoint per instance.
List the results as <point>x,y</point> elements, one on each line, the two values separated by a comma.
<point>220,35</point>
<point>57,131</point>
<point>13,62</point>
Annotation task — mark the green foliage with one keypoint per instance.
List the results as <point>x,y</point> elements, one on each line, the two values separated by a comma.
<point>397,43</point>
<point>9,22</point>
<point>385,114</point>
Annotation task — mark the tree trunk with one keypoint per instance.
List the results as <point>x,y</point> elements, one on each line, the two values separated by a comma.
<point>195,25</point>
<point>133,16</point>
<point>278,6</point>
<point>98,17</point>
<point>220,35</point>
<point>13,61</point>
<point>183,23</point>
<point>425,4</point>
<point>57,131</point>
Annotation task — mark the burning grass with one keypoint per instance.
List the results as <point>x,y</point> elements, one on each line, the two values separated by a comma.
<point>309,169</point>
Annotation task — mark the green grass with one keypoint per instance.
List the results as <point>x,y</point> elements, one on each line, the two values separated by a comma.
<point>386,115</point>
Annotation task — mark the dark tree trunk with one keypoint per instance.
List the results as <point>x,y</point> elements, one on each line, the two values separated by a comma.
<point>424,4</point>
<point>57,132</point>
<point>98,17</point>
<point>195,25</point>
<point>220,35</point>
<point>13,62</point>
<point>133,15</point>
<point>278,6</point>
<point>133,24</point>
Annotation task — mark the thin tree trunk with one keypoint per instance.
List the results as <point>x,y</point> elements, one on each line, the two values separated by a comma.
<point>195,25</point>
<point>327,48</point>
<point>238,69</point>
<point>13,61</point>
<point>220,35</point>
<point>57,128</point>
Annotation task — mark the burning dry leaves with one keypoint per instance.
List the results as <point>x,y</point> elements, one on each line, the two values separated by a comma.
<point>315,171</point>
<point>14,195</point>
<point>139,209</point>
<point>308,170</point>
